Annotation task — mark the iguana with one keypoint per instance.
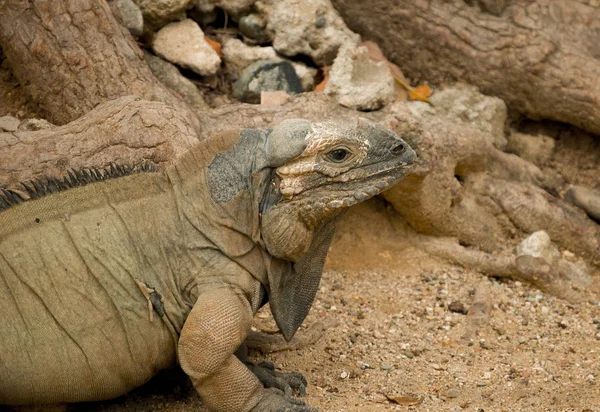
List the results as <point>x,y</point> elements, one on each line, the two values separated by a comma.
<point>108,277</point>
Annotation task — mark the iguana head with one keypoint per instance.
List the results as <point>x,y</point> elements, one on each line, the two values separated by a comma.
<point>319,170</point>
<point>336,165</point>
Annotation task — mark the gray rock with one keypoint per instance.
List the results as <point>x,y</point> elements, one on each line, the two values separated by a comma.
<point>169,75</point>
<point>266,75</point>
<point>9,123</point>
<point>306,27</point>
<point>358,82</point>
<point>253,26</point>
<point>237,56</point>
<point>160,12</point>
<point>468,105</point>
<point>34,124</point>
<point>538,244</point>
<point>183,43</point>
<point>585,198</point>
<point>535,149</point>
<point>129,15</point>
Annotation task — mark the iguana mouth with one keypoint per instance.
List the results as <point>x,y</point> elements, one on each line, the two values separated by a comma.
<point>370,185</point>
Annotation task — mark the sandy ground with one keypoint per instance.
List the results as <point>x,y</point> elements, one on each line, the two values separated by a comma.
<point>403,336</point>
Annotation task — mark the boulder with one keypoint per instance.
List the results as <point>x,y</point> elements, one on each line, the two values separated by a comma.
<point>183,44</point>
<point>129,15</point>
<point>9,123</point>
<point>358,82</point>
<point>160,12</point>
<point>585,198</point>
<point>306,27</point>
<point>268,76</point>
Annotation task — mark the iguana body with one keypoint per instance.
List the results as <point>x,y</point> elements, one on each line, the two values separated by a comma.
<point>103,285</point>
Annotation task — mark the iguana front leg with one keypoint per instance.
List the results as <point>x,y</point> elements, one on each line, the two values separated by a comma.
<point>214,329</point>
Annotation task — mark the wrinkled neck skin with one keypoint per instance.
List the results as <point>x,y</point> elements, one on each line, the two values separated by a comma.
<point>288,227</point>
<point>227,191</point>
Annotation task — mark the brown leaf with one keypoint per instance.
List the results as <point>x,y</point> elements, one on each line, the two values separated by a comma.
<point>215,45</point>
<point>405,400</point>
<point>321,86</point>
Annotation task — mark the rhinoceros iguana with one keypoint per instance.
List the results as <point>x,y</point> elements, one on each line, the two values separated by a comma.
<point>112,276</point>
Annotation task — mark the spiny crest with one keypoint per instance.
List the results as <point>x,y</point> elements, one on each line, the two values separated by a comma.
<point>34,189</point>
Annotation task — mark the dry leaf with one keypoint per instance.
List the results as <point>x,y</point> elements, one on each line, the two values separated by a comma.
<point>421,92</point>
<point>321,86</point>
<point>405,400</point>
<point>215,45</point>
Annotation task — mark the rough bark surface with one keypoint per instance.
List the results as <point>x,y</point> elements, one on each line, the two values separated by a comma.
<point>542,57</point>
<point>73,55</point>
<point>124,131</point>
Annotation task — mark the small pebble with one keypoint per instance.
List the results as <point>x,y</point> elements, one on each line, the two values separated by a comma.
<point>481,384</point>
<point>458,307</point>
<point>386,366</point>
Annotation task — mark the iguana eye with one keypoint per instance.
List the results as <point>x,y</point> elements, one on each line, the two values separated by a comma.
<point>338,155</point>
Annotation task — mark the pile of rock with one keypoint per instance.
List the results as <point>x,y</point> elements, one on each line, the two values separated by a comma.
<point>267,45</point>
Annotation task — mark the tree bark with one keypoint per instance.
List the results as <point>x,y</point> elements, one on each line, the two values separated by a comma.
<point>73,55</point>
<point>542,57</point>
<point>124,131</point>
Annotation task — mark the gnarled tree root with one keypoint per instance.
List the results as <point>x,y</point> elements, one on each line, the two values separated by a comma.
<point>534,270</point>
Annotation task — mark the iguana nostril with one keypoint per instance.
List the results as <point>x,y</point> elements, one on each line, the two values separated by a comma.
<point>399,149</point>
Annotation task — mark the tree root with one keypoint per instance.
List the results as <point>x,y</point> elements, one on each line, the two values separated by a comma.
<point>534,270</point>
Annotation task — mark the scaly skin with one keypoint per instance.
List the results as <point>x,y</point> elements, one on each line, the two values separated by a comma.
<point>103,285</point>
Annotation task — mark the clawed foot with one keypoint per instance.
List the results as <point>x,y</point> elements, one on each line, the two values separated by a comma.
<point>287,382</point>
<point>275,401</point>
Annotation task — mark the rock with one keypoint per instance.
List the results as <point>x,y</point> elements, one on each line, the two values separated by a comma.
<point>535,149</point>
<point>576,272</point>
<point>160,12</point>
<point>306,74</point>
<point>266,75</point>
<point>386,366</point>
<point>585,198</point>
<point>458,307</point>
<point>9,123</point>
<point>468,105</point>
<point>34,124</point>
<point>254,27</point>
<point>306,27</point>
<point>183,43</point>
<point>235,8</point>
<point>538,244</point>
<point>169,75</point>
<point>237,56</point>
<point>358,82</point>
<point>129,15</point>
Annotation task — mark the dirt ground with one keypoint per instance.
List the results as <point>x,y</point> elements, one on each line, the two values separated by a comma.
<point>403,335</point>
